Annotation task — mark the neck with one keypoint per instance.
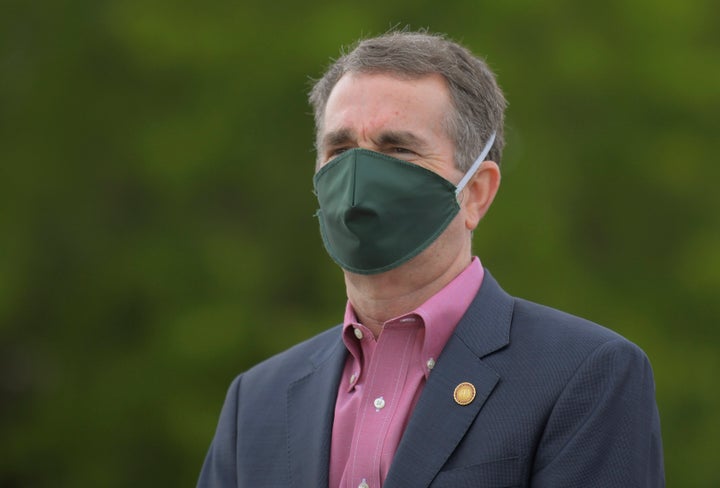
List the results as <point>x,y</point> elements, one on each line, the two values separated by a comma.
<point>379,298</point>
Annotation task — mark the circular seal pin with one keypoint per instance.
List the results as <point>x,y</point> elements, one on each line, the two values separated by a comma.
<point>464,393</point>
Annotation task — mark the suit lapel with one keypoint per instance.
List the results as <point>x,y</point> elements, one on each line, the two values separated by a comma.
<point>310,411</point>
<point>438,423</point>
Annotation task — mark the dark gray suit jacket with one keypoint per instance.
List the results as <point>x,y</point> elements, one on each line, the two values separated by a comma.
<point>561,402</point>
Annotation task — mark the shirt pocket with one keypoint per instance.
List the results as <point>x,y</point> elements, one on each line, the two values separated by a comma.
<point>503,473</point>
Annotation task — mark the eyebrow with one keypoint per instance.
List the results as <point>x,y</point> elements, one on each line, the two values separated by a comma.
<point>386,138</point>
<point>337,138</point>
<point>400,138</point>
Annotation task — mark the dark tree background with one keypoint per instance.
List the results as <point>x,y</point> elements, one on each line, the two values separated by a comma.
<point>156,214</point>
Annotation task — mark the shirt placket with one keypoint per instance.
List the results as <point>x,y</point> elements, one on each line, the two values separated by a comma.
<point>387,372</point>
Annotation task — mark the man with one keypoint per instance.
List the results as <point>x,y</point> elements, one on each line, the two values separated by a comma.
<point>437,377</point>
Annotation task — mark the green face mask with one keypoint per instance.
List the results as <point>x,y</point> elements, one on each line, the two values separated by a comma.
<point>378,212</point>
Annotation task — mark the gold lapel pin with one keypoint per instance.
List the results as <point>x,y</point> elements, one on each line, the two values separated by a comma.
<point>464,393</point>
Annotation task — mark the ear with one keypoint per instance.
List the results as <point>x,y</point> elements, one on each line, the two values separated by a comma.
<point>479,193</point>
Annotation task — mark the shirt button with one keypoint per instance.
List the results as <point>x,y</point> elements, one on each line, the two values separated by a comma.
<point>353,378</point>
<point>358,334</point>
<point>430,363</point>
<point>379,403</point>
<point>363,484</point>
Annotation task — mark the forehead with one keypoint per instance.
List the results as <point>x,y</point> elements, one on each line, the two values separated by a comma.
<point>368,101</point>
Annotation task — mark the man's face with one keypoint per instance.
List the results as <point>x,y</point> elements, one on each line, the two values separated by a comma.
<point>400,118</point>
<point>403,119</point>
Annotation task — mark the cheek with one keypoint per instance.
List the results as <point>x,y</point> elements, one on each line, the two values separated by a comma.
<point>452,239</point>
<point>456,231</point>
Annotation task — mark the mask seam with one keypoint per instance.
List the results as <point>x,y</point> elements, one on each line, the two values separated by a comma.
<point>427,243</point>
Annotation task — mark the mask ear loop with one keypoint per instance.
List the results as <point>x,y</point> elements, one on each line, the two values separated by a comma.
<point>473,169</point>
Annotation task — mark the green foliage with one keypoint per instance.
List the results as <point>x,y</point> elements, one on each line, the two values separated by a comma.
<point>157,217</point>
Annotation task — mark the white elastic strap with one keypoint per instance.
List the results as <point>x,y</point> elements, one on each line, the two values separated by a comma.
<point>475,165</point>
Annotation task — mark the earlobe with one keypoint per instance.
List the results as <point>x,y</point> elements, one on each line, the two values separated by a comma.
<point>481,191</point>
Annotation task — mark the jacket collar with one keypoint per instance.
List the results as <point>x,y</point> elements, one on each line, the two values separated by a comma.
<point>439,423</point>
<point>310,409</point>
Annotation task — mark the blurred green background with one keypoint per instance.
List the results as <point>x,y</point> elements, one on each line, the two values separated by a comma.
<point>157,222</point>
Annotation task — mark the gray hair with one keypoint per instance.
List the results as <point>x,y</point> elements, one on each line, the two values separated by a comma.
<point>479,104</point>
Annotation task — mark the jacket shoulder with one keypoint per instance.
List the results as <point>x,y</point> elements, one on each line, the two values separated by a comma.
<point>545,326</point>
<point>300,359</point>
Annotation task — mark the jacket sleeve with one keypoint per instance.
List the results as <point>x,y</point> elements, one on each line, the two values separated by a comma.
<point>220,467</point>
<point>604,430</point>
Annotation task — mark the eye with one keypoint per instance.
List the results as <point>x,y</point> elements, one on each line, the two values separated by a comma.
<point>400,152</point>
<point>336,151</point>
<point>331,154</point>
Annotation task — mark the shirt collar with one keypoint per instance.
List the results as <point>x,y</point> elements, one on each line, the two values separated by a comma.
<point>442,312</point>
<point>438,315</point>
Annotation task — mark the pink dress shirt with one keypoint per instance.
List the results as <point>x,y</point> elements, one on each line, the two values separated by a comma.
<point>383,379</point>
